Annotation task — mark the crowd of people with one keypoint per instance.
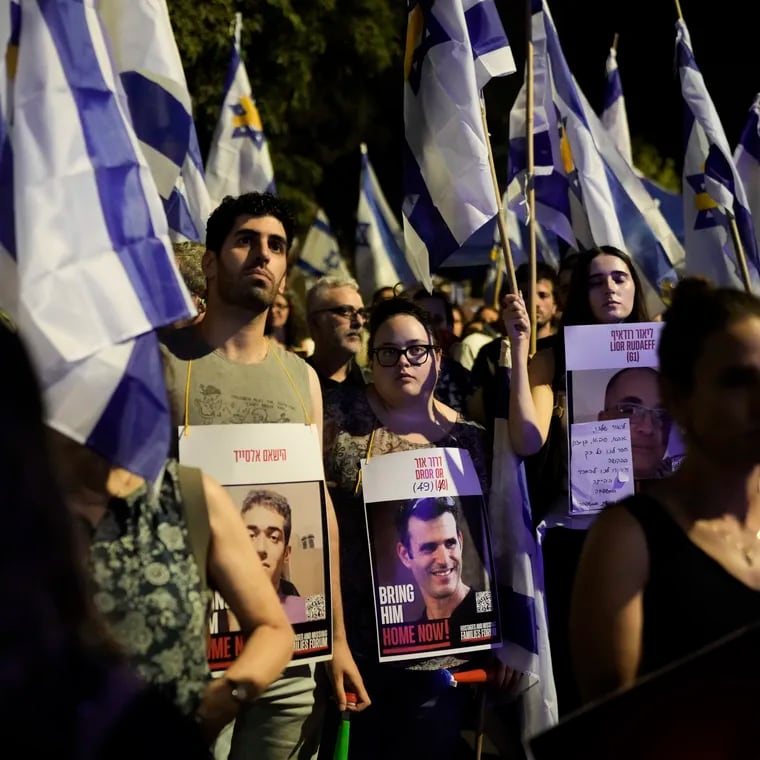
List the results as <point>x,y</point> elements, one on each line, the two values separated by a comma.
<point>115,617</point>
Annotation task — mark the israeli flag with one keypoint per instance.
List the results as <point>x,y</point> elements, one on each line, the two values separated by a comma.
<point>453,49</point>
<point>520,577</point>
<point>320,254</point>
<point>712,189</point>
<point>614,117</point>
<point>238,161</point>
<point>614,114</point>
<point>96,275</point>
<point>379,255</point>
<point>747,160</point>
<point>150,67</point>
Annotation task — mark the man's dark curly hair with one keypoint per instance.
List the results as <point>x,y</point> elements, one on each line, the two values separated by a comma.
<point>222,219</point>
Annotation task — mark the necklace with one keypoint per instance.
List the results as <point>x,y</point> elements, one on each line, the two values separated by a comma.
<point>747,547</point>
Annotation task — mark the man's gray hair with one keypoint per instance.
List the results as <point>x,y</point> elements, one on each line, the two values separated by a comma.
<point>328,282</point>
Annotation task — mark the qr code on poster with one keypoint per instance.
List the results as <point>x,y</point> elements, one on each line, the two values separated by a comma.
<point>315,607</point>
<point>483,601</point>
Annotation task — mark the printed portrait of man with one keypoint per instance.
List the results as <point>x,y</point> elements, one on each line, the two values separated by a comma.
<point>634,394</point>
<point>430,546</point>
<point>267,517</point>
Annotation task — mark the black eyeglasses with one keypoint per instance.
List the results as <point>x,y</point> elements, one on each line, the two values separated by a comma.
<point>347,312</point>
<point>416,355</point>
<point>637,413</point>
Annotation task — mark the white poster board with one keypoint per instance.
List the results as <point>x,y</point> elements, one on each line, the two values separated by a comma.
<point>274,474</point>
<point>432,567</point>
<point>620,434</point>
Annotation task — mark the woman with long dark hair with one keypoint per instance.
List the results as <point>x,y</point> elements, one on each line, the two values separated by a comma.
<point>604,289</point>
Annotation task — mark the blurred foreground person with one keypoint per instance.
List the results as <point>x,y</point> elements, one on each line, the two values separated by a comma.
<point>54,645</point>
<point>667,572</point>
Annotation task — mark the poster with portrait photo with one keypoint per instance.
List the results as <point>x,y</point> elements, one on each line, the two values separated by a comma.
<point>620,435</point>
<point>430,550</point>
<point>273,474</point>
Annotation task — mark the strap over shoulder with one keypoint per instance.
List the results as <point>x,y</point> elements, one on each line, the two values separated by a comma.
<point>196,516</point>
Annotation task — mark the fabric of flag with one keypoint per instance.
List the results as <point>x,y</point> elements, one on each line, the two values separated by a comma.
<point>453,48</point>
<point>96,276</point>
<point>614,115</point>
<point>149,63</point>
<point>608,202</point>
<point>712,188</point>
<point>747,160</point>
<point>238,160</point>
<point>320,255</point>
<point>520,577</point>
<point>379,254</point>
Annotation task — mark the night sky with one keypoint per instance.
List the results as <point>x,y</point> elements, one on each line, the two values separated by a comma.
<point>725,46</point>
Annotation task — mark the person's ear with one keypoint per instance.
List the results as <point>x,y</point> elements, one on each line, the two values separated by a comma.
<point>403,554</point>
<point>283,284</point>
<point>286,554</point>
<point>209,264</point>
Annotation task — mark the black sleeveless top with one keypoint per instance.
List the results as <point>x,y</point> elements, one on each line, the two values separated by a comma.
<point>690,600</point>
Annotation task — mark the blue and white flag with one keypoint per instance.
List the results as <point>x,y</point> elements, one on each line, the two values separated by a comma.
<point>608,202</point>
<point>747,160</point>
<point>614,115</point>
<point>712,188</point>
<point>615,118</point>
<point>97,275</point>
<point>320,254</point>
<point>150,67</point>
<point>520,576</point>
<point>453,48</point>
<point>379,255</point>
<point>238,160</point>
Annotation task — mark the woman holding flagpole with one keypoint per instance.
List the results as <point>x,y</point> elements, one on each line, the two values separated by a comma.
<point>604,289</point>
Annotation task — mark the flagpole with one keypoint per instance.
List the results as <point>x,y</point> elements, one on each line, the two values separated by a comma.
<point>739,248</point>
<point>505,246</point>
<point>530,179</point>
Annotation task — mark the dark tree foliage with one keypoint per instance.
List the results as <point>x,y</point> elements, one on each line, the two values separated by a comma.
<point>326,75</point>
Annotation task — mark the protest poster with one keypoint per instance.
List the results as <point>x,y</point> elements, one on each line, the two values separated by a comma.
<point>430,551</point>
<point>620,436</point>
<point>274,474</point>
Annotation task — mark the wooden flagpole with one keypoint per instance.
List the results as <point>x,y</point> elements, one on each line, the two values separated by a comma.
<point>530,188</point>
<point>505,246</point>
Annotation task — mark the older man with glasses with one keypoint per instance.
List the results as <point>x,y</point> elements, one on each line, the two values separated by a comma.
<point>337,318</point>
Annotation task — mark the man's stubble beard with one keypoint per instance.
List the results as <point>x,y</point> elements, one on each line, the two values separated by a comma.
<point>254,298</point>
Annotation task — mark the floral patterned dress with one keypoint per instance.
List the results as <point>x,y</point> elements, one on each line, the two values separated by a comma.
<point>147,586</point>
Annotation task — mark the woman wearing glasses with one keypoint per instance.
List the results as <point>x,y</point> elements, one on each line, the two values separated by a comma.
<point>667,572</point>
<point>414,713</point>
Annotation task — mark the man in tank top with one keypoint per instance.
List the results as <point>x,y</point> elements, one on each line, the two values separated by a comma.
<point>225,371</point>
